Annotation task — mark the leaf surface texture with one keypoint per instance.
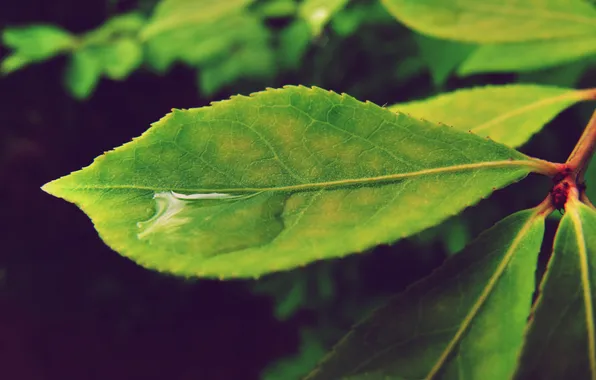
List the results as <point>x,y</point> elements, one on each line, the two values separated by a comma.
<point>282,178</point>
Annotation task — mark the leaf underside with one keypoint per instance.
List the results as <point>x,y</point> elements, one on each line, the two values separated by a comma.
<point>464,321</point>
<point>280,179</point>
<point>560,343</point>
<point>508,114</point>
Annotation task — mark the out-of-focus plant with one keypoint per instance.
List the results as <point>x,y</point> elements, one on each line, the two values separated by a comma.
<point>224,40</point>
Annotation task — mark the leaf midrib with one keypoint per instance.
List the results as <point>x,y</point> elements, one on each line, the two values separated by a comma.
<point>586,285</point>
<point>575,95</point>
<point>483,297</point>
<point>532,164</point>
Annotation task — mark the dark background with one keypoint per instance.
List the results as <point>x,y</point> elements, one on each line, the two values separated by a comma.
<point>71,308</point>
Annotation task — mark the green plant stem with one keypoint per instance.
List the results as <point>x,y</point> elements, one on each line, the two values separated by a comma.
<point>584,150</point>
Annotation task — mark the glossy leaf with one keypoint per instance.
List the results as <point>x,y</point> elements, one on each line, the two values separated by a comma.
<point>508,114</point>
<point>175,14</point>
<point>442,56</point>
<point>318,12</point>
<point>493,21</point>
<point>464,321</point>
<point>280,179</point>
<point>528,56</point>
<point>561,341</point>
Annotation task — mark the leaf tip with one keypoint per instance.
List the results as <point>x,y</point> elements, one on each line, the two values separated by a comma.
<point>51,188</point>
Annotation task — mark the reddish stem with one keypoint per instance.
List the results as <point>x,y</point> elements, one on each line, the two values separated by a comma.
<point>584,150</point>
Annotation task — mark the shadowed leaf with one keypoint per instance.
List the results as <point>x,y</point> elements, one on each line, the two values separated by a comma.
<point>464,321</point>
<point>561,341</point>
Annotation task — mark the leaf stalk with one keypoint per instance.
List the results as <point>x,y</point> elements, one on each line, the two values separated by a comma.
<point>584,150</point>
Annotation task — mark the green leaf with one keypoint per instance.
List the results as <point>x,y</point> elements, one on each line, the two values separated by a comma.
<point>33,44</point>
<point>493,21</point>
<point>120,58</point>
<point>442,56</point>
<point>294,42</point>
<point>208,42</point>
<point>82,73</point>
<point>528,56</point>
<point>38,42</point>
<point>318,12</point>
<point>121,26</point>
<point>278,8</point>
<point>311,350</point>
<point>509,114</point>
<point>13,62</point>
<point>174,14</point>
<point>253,62</point>
<point>561,341</point>
<point>280,179</point>
<point>347,21</point>
<point>464,321</point>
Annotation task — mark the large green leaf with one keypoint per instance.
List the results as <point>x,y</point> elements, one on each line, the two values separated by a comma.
<point>508,114</point>
<point>282,178</point>
<point>465,321</point>
<point>528,56</point>
<point>492,21</point>
<point>175,14</point>
<point>561,341</point>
